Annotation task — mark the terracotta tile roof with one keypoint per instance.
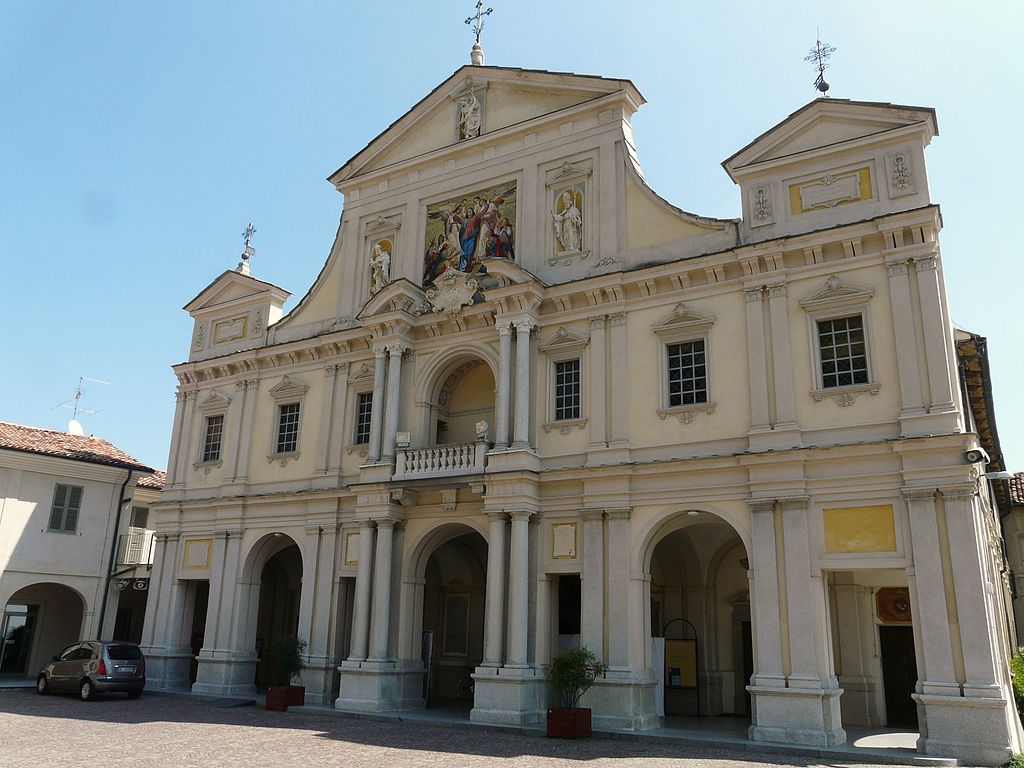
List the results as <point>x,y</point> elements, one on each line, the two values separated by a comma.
<point>157,480</point>
<point>1017,488</point>
<point>93,450</point>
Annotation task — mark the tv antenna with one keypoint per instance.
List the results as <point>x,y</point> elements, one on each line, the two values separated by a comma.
<point>820,54</point>
<point>75,404</point>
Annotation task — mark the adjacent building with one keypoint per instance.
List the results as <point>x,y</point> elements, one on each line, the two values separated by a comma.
<point>529,404</point>
<point>75,546</point>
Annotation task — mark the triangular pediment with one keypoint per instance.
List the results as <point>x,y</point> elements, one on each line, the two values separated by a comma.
<point>215,401</point>
<point>508,96</point>
<point>565,339</point>
<point>683,318</point>
<point>234,287</point>
<point>287,389</point>
<point>829,123</point>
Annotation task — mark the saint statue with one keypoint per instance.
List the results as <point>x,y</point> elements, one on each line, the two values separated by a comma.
<point>470,118</point>
<point>569,223</point>
<point>380,268</point>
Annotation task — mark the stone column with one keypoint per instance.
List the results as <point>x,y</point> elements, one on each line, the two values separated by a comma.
<point>233,421</point>
<point>326,419</point>
<point>391,409</point>
<point>756,359</point>
<point>380,623</point>
<point>245,438</point>
<point>930,297</point>
<point>619,432</point>
<point>782,358</point>
<point>906,339</point>
<point>764,597</point>
<point>377,409</point>
<point>494,608</point>
<point>853,628</point>
<point>337,441</point>
<point>361,609</point>
<point>598,383</point>
<point>592,578</point>
<point>931,616</point>
<point>501,404</point>
<point>522,423</point>
<point>185,436</point>
<point>519,591</point>
<point>617,605</point>
<point>176,431</point>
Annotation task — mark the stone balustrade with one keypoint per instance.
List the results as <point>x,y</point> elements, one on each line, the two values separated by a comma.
<point>441,461</point>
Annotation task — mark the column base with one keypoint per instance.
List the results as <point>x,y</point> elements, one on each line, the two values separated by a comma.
<point>225,676</point>
<point>606,455</point>
<point>806,716</point>
<point>782,437</point>
<point>858,702</point>
<point>975,730</point>
<point>508,696</point>
<point>378,686</point>
<point>379,472</point>
<point>167,669</point>
<point>622,704</point>
<point>940,420</point>
<point>318,676</point>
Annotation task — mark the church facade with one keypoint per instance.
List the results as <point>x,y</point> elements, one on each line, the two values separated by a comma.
<point>529,405</point>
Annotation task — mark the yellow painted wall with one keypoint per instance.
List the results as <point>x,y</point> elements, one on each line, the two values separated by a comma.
<point>860,529</point>
<point>650,223</point>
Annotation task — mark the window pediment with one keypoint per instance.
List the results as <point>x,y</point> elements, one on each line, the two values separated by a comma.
<point>683,318</point>
<point>214,402</point>
<point>288,389</point>
<point>565,340</point>
<point>836,295</point>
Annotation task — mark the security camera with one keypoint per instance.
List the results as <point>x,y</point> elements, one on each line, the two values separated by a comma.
<point>975,455</point>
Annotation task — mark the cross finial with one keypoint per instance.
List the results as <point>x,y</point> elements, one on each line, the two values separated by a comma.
<point>820,54</point>
<point>249,252</point>
<point>476,56</point>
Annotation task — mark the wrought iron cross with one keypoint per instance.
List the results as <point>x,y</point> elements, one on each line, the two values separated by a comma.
<point>820,54</point>
<point>247,236</point>
<point>477,20</point>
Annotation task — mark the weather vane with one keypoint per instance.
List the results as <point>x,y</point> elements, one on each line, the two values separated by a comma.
<point>247,236</point>
<point>820,54</point>
<point>477,20</point>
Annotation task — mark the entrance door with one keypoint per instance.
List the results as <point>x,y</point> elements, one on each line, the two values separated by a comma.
<point>899,674</point>
<point>16,633</point>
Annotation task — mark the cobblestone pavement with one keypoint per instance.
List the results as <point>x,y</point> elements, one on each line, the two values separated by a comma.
<point>184,733</point>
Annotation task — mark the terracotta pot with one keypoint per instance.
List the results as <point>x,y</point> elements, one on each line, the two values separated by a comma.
<point>277,698</point>
<point>296,695</point>
<point>566,723</point>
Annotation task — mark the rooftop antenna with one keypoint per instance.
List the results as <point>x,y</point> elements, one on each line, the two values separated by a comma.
<point>75,404</point>
<point>820,54</point>
<point>249,252</point>
<point>476,22</point>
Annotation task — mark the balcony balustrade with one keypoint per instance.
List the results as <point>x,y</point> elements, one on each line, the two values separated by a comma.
<point>441,461</point>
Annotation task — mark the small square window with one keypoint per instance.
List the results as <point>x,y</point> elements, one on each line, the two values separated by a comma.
<point>213,437</point>
<point>567,389</point>
<point>140,517</point>
<point>288,428</point>
<point>364,413</point>
<point>67,501</point>
<point>687,373</point>
<point>844,359</point>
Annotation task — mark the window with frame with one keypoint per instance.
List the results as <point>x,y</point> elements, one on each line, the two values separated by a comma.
<point>67,501</point>
<point>687,373</point>
<point>288,428</point>
<point>844,359</point>
<point>140,517</point>
<point>213,437</point>
<point>364,413</point>
<point>567,389</point>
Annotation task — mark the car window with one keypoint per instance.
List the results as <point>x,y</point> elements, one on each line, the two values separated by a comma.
<point>123,652</point>
<point>83,653</point>
<point>69,653</point>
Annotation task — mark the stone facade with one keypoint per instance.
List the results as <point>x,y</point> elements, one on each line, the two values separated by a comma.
<point>728,456</point>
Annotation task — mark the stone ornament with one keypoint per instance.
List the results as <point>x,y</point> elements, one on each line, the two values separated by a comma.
<point>568,221</point>
<point>761,206</point>
<point>453,291</point>
<point>900,174</point>
<point>470,117</point>
<point>380,266</point>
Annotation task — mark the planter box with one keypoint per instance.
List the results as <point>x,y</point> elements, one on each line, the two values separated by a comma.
<point>565,723</point>
<point>295,695</point>
<point>277,698</point>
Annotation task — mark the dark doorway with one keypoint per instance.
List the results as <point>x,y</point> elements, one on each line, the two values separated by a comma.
<point>19,623</point>
<point>570,616</point>
<point>278,618</point>
<point>899,675</point>
<point>748,663</point>
<point>202,600</point>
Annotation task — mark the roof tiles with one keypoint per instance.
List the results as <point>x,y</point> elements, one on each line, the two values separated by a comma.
<point>64,445</point>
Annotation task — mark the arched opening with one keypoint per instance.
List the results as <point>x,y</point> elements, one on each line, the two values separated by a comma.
<point>277,620</point>
<point>38,622</point>
<point>700,625</point>
<point>462,397</point>
<point>454,589</point>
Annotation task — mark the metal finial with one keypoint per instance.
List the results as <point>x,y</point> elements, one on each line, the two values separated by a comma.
<point>249,252</point>
<point>477,20</point>
<point>820,54</point>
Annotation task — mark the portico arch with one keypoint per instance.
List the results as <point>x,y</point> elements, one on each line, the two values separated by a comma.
<point>38,621</point>
<point>457,391</point>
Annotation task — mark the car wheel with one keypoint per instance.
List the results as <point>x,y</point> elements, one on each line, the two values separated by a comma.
<point>134,694</point>
<point>86,691</point>
<point>42,685</point>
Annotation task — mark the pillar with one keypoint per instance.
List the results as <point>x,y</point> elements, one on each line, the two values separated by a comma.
<point>364,574</point>
<point>245,436</point>
<point>592,578</point>
<point>501,404</point>
<point>380,622</point>
<point>176,432</point>
<point>337,439</point>
<point>757,359</point>
<point>185,436</point>
<point>519,591</point>
<point>494,608</point>
<point>906,339</point>
<point>395,352</point>
<point>934,320</point>
<point>617,607</point>
<point>782,358</point>
<point>379,366</point>
<point>598,383</point>
<point>522,407</point>
<point>619,427</point>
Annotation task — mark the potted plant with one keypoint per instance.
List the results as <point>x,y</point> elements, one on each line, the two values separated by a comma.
<point>572,674</point>
<point>287,655</point>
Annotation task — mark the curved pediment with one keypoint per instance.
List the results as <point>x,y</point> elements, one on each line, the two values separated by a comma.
<point>508,273</point>
<point>398,296</point>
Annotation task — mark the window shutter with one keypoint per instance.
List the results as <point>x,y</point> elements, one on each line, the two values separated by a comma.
<point>56,517</point>
<point>71,520</point>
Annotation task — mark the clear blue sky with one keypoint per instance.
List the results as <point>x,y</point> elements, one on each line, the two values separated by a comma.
<point>137,139</point>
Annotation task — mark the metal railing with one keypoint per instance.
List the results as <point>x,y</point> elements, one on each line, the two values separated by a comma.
<point>441,461</point>
<point>135,547</point>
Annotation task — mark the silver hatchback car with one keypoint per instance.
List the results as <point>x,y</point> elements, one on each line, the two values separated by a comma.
<point>92,667</point>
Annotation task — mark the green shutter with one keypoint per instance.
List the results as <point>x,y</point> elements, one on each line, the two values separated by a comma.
<point>74,504</point>
<point>56,517</point>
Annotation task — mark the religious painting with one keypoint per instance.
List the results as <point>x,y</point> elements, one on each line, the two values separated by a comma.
<point>464,230</point>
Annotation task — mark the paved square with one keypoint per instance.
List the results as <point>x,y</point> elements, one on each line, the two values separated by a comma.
<point>174,731</point>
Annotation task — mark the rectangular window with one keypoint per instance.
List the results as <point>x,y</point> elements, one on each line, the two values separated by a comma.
<point>567,390</point>
<point>67,500</point>
<point>288,428</point>
<point>140,517</point>
<point>213,437</point>
<point>844,357</point>
<point>687,373</point>
<point>364,412</point>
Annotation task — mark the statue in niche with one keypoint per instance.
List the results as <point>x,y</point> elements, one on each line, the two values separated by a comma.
<point>568,219</point>
<point>470,117</point>
<point>380,266</point>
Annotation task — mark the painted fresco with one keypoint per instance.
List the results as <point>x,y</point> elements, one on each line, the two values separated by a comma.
<point>467,229</point>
